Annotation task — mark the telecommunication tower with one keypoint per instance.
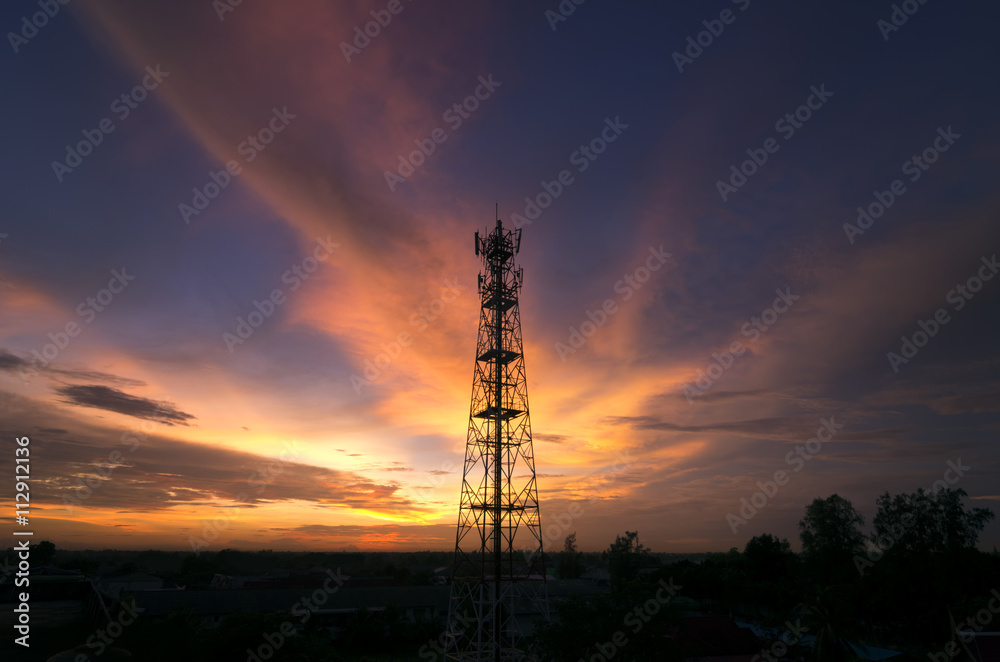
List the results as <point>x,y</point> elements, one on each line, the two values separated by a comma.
<point>498,583</point>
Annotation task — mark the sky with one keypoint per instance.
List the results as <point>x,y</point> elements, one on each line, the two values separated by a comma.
<point>238,289</point>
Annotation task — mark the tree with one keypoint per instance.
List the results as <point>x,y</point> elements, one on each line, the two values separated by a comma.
<point>42,553</point>
<point>924,558</point>
<point>570,565</point>
<point>625,556</point>
<point>767,558</point>
<point>831,534</point>
<point>926,523</point>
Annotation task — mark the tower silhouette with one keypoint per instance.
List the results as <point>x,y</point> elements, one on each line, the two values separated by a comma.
<point>498,583</point>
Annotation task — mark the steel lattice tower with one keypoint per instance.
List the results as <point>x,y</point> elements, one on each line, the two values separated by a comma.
<point>498,584</point>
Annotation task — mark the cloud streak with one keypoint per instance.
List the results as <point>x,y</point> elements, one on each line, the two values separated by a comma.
<point>110,399</point>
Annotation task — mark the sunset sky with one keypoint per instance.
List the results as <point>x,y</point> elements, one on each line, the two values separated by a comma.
<point>264,165</point>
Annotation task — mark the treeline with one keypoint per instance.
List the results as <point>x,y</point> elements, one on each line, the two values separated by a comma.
<point>907,583</point>
<point>195,571</point>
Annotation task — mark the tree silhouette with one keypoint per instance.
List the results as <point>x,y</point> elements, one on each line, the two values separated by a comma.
<point>924,558</point>
<point>570,563</point>
<point>831,534</point>
<point>925,523</point>
<point>767,558</point>
<point>625,556</point>
<point>42,553</point>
